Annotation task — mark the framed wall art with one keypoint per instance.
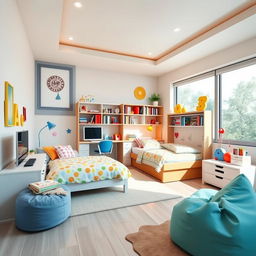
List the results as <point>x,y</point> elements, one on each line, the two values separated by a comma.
<point>8,105</point>
<point>55,89</point>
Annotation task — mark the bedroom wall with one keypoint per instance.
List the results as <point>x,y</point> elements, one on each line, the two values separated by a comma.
<point>231,55</point>
<point>17,67</point>
<point>107,87</point>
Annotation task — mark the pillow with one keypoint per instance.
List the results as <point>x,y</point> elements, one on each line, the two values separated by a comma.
<point>138,142</point>
<point>180,149</point>
<point>65,151</point>
<point>150,143</point>
<point>51,152</point>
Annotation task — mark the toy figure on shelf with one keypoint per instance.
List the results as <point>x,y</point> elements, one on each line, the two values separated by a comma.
<point>202,103</point>
<point>220,153</point>
<point>179,109</point>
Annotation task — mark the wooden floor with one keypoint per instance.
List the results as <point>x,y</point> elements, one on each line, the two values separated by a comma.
<point>100,233</point>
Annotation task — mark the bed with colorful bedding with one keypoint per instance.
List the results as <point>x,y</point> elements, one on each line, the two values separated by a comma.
<point>168,162</point>
<point>91,172</point>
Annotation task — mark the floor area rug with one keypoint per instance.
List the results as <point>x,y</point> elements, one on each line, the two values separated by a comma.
<point>154,240</point>
<point>141,190</point>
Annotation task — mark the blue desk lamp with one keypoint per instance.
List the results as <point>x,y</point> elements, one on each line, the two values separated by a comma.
<point>49,125</point>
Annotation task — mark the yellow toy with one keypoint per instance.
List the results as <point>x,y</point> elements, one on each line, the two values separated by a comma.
<point>202,103</point>
<point>179,108</point>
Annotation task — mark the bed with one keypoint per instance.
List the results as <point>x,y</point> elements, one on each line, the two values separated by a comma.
<point>91,172</point>
<point>174,166</point>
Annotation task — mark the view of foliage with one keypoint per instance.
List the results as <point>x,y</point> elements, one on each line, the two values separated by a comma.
<point>189,98</point>
<point>238,117</point>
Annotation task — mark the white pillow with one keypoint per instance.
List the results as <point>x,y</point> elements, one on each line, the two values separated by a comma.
<point>150,144</point>
<point>180,149</point>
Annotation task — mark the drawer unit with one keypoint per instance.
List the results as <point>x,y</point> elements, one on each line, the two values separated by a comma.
<point>220,173</point>
<point>84,149</point>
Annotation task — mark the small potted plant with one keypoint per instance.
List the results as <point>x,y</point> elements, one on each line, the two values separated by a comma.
<point>154,98</point>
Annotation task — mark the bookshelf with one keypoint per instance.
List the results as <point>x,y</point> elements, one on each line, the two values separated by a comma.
<point>123,119</point>
<point>192,127</point>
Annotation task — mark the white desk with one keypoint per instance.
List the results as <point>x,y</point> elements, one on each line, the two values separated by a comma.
<point>14,179</point>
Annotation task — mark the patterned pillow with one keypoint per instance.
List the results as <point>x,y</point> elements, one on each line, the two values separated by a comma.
<point>138,142</point>
<point>150,144</point>
<point>65,151</point>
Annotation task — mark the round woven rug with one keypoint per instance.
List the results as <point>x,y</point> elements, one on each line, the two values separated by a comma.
<point>154,240</point>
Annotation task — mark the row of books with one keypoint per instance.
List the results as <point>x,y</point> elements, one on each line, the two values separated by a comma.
<point>188,120</point>
<point>130,120</point>
<point>151,111</point>
<point>110,120</point>
<point>92,119</point>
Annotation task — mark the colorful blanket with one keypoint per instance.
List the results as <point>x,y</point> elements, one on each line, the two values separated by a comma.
<point>86,169</point>
<point>152,158</point>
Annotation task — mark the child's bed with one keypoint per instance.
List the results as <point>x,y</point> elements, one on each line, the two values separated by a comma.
<point>167,165</point>
<point>84,173</point>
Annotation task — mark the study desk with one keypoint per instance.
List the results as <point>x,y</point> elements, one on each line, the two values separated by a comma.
<point>121,150</point>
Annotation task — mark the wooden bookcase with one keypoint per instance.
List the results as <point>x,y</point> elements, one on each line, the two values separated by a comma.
<point>200,122</point>
<point>123,119</point>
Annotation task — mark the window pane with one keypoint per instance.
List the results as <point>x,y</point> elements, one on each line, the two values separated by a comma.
<point>239,104</point>
<point>188,94</point>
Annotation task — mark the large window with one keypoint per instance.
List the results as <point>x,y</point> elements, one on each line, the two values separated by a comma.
<point>188,93</point>
<point>238,104</point>
<point>232,98</point>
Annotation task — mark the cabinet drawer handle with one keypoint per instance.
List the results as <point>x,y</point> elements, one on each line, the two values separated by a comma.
<point>220,171</point>
<point>218,177</point>
<point>219,166</point>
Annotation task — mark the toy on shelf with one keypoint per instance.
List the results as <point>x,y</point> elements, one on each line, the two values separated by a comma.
<point>227,157</point>
<point>219,153</point>
<point>179,109</point>
<point>202,103</point>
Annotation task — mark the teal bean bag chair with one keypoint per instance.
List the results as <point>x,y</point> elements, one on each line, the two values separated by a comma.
<point>212,223</point>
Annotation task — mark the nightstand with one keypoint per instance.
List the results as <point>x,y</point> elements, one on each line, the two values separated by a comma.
<point>14,178</point>
<point>219,173</point>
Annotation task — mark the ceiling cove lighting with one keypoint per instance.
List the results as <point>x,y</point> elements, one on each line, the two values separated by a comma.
<point>176,30</point>
<point>77,4</point>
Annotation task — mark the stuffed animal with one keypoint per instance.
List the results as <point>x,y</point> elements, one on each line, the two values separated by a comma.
<point>179,108</point>
<point>202,103</point>
<point>219,154</point>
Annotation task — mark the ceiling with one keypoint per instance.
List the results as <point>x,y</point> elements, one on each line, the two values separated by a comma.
<point>135,36</point>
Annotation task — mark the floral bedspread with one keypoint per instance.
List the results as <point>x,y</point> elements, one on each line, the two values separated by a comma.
<point>86,169</point>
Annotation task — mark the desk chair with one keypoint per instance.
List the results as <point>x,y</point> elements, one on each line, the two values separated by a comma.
<point>105,147</point>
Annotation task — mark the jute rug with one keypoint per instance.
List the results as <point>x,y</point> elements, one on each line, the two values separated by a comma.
<point>154,241</point>
<point>141,190</point>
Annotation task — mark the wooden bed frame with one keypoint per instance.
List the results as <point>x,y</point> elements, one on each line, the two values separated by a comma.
<point>99,184</point>
<point>172,171</point>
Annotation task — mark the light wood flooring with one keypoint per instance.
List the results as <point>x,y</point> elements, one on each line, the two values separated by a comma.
<point>93,234</point>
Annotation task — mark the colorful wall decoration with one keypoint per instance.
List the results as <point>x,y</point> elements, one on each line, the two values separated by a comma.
<point>8,105</point>
<point>55,89</point>
<point>139,93</point>
<point>11,110</point>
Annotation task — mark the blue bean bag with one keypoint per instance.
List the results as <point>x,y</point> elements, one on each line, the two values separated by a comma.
<point>212,223</point>
<point>41,212</point>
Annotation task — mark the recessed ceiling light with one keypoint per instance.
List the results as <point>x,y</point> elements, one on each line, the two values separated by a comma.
<point>176,30</point>
<point>77,4</point>
<point>149,53</point>
<point>71,38</point>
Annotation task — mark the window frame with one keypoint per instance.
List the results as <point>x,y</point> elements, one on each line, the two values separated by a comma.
<point>217,73</point>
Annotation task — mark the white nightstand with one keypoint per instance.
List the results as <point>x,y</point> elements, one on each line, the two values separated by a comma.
<point>14,179</point>
<point>219,173</point>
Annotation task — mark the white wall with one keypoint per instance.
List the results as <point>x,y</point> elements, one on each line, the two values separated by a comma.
<point>16,67</point>
<point>231,55</point>
<point>107,87</point>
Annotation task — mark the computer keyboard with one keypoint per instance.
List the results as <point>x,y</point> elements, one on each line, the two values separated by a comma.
<point>30,162</point>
